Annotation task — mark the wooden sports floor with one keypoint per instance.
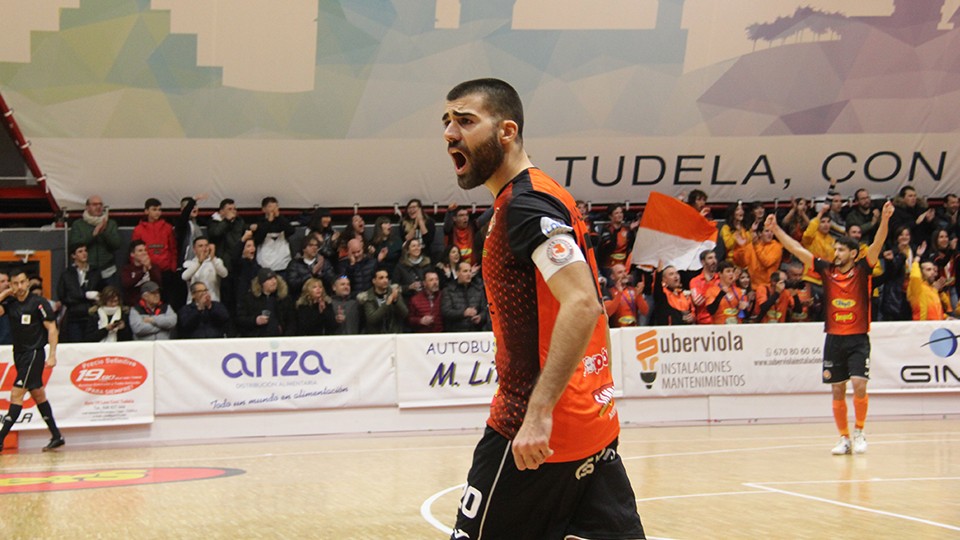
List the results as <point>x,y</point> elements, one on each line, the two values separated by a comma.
<point>728,481</point>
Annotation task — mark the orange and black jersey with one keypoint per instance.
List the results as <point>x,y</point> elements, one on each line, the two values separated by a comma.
<point>528,211</point>
<point>846,297</point>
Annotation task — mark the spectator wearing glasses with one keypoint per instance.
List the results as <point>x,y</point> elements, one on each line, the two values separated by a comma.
<point>101,236</point>
<point>203,317</point>
<point>309,263</point>
<point>109,320</point>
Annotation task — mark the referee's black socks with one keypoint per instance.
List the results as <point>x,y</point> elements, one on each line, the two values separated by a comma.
<point>9,420</point>
<point>47,413</point>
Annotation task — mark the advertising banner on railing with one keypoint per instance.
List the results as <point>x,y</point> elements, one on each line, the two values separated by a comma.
<point>915,356</point>
<point>457,369</point>
<point>227,375</point>
<point>445,369</point>
<point>91,385</point>
<point>719,360</point>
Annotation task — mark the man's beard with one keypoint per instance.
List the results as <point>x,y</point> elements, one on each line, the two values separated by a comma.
<point>484,160</point>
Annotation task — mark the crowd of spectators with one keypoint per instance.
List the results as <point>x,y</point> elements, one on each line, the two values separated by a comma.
<point>276,277</point>
<point>750,278</point>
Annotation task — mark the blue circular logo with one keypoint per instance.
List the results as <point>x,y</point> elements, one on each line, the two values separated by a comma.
<point>943,343</point>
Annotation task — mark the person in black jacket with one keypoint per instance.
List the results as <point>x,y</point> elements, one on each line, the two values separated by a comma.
<point>267,310</point>
<point>203,317</point>
<point>464,303</point>
<point>308,264</point>
<point>77,290</point>
<point>109,319</point>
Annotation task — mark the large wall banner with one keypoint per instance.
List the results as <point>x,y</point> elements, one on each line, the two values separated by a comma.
<point>227,375</point>
<point>339,102</point>
<point>91,385</point>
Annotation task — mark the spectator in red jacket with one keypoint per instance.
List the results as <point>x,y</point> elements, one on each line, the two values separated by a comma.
<point>424,307</point>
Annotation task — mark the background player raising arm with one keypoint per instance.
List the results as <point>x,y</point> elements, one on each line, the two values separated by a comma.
<point>580,308</point>
<point>873,251</point>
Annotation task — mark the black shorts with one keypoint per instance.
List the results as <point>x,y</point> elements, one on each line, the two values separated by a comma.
<point>845,357</point>
<point>589,498</point>
<point>29,366</point>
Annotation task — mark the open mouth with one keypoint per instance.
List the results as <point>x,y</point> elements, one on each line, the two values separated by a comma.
<point>459,161</point>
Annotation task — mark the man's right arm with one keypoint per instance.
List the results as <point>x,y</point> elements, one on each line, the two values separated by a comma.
<point>788,242</point>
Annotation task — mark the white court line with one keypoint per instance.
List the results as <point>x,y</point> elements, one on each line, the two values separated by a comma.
<point>865,480</point>
<point>855,507</point>
<point>147,462</point>
<point>427,513</point>
<point>692,495</point>
<point>760,448</point>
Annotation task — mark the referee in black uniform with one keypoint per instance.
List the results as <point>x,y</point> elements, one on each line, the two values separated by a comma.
<point>32,324</point>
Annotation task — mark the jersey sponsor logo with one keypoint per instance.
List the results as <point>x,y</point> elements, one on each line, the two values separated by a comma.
<point>593,365</point>
<point>843,303</point>
<point>551,227</point>
<point>45,482</point>
<point>560,250</point>
<point>845,317</point>
<point>25,319</point>
<point>827,375</point>
<point>604,397</point>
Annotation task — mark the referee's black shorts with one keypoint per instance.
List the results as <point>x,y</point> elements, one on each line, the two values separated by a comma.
<point>590,498</point>
<point>29,365</point>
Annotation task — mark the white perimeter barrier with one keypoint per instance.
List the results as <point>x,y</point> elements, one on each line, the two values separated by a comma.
<point>123,383</point>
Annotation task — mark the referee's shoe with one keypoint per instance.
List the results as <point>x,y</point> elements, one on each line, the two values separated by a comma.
<point>54,443</point>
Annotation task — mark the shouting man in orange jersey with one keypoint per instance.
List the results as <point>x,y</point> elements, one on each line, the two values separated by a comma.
<point>547,465</point>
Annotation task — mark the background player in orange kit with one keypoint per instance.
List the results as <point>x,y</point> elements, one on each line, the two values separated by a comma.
<point>846,350</point>
<point>547,465</point>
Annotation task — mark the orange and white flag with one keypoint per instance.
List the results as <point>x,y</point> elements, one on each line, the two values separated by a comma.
<point>672,232</point>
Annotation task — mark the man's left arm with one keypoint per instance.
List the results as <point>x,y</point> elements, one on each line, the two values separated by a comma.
<point>873,252</point>
<point>53,337</point>
<point>573,287</point>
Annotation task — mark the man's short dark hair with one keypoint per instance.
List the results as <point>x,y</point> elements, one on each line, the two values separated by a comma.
<point>431,271</point>
<point>72,249</point>
<point>151,202</point>
<point>225,202</point>
<point>856,194</point>
<point>850,243</point>
<point>500,99</point>
<point>724,265</point>
<point>903,191</point>
<point>696,194</point>
<point>703,254</point>
<point>199,238</point>
<point>268,200</point>
<point>134,244</point>
<point>950,196</point>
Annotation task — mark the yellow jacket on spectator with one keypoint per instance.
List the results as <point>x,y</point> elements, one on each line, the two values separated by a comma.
<point>821,245</point>
<point>924,298</point>
<point>760,259</point>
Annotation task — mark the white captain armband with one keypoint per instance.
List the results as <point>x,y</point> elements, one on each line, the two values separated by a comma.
<point>555,253</point>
